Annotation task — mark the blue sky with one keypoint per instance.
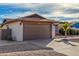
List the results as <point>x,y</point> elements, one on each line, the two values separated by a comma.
<point>61,12</point>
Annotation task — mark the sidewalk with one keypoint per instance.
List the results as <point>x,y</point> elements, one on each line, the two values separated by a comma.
<point>67,48</point>
<point>64,48</point>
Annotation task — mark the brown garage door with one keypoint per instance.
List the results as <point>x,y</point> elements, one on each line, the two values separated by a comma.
<point>36,31</point>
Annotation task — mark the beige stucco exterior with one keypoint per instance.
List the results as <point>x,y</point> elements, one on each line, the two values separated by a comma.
<point>53,31</point>
<point>17,31</point>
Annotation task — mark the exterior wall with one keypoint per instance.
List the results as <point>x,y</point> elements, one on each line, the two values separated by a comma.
<point>53,31</point>
<point>56,30</point>
<point>17,31</point>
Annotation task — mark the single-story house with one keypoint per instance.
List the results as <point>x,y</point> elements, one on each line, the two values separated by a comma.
<point>29,27</point>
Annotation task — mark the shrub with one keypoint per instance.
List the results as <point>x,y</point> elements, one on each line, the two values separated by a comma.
<point>69,32</point>
<point>61,31</point>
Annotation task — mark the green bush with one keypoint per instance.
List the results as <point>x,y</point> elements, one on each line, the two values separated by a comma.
<point>61,31</point>
<point>69,32</point>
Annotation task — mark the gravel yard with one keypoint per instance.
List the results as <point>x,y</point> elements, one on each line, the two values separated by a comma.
<point>33,53</point>
<point>27,49</point>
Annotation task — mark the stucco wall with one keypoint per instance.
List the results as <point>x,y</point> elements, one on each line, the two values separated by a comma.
<point>53,31</point>
<point>17,31</point>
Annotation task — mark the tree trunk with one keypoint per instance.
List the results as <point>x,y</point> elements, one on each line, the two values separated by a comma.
<point>65,34</point>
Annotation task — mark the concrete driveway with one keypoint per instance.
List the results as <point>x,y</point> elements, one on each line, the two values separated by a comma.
<point>5,42</point>
<point>41,42</point>
<point>13,46</point>
<point>68,48</point>
<point>9,43</point>
<point>25,48</point>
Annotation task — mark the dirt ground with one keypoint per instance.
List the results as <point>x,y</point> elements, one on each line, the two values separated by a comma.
<point>33,53</point>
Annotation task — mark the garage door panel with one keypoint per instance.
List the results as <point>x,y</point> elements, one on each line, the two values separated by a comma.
<point>36,31</point>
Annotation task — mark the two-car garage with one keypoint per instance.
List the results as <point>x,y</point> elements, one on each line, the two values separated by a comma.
<point>36,31</point>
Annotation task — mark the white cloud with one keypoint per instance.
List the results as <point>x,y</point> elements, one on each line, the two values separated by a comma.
<point>52,9</point>
<point>18,15</point>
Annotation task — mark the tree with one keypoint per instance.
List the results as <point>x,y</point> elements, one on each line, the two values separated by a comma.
<point>65,27</point>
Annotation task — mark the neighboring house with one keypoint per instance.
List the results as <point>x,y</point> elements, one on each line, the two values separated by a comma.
<point>30,27</point>
<point>75,26</point>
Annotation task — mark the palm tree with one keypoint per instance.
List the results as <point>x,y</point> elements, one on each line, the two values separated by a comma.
<point>65,27</point>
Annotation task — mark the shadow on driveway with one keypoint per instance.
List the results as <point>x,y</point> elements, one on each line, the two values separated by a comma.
<point>66,41</point>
